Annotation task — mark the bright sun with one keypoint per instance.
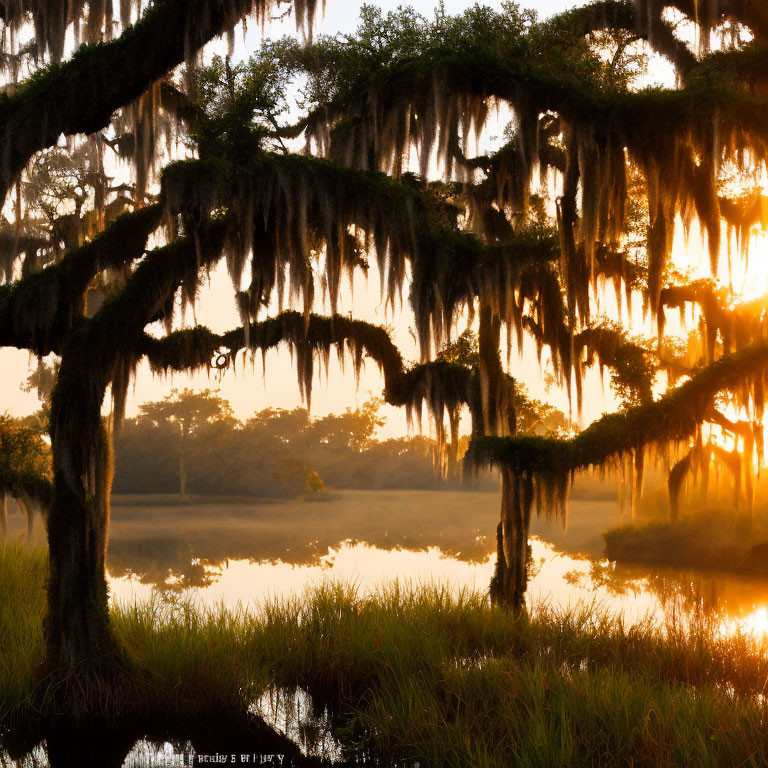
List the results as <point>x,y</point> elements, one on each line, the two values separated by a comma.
<point>757,621</point>
<point>749,277</point>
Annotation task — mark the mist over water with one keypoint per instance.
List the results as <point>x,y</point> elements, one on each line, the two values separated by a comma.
<point>241,554</point>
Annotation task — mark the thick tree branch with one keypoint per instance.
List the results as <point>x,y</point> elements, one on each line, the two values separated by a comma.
<point>196,348</point>
<point>674,417</point>
<point>79,96</point>
<point>443,386</point>
<point>622,15</point>
<point>148,290</point>
<point>37,312</point>
<point>709,13</point>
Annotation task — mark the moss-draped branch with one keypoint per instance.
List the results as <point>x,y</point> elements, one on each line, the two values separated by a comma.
<point>735,323</point>
<point>442,386</point>
<point>710,13</point>
<point>309,201</point>
<point>622,15</point>
<point>484,72</point>
<point>674,417</point>
<point>194,348</point>
<point>300,199</point>
<point>676,137</point>
<point>37,312</point>
<point>80,95</point>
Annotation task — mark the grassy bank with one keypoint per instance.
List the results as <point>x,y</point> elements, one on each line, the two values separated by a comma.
<point>418,675</point>
<point>708,540</point>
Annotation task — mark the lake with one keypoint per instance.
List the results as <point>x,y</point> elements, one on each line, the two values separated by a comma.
<point>242,553</point>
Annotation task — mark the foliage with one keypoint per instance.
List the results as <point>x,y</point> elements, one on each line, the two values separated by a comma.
<point>58,180</point>
<point>274,453</point>
<point>25,461</point>
<point>535,417</point>
<point>41,381</point>
<point>464,351</point>
<point>188,410</point>
<point>235,108</point>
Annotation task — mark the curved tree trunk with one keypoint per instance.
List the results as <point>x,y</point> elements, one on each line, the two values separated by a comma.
<point>77,626</point>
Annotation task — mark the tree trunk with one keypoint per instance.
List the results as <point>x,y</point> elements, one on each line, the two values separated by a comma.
<point>25,507</point>
<point>184,433</point>
<point>510,579</point>
<point>77,627</point>
<point>3,517</point>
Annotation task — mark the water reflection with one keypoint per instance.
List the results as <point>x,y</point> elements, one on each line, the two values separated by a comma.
<point>158,538</point>
<point>557,580</point>
<point>155,538</point>
<point>231,556</point>
<point>294,714</point>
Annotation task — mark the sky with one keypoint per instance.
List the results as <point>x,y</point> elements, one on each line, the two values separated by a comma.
<point>248,388</point>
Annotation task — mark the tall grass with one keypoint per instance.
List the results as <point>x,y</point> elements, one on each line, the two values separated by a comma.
<point>202,656</point>
<point>22,606</point>
<point>418,674</point>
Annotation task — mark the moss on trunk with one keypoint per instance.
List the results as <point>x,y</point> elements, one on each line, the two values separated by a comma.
<point>77,627</point>
<point>513,553</point>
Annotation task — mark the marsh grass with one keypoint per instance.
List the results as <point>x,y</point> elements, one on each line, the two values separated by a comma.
<point>422,674</point>
<point>22,606</point>
<point>709,539</point>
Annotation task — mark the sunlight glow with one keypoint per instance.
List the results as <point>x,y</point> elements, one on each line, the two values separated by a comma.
<point>756,623</point>
<point>750,276</point>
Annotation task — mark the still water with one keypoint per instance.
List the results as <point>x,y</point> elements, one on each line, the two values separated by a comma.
<point>241,555</point>
<point>558,580</point>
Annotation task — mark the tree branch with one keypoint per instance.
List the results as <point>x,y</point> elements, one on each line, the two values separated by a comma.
<point>79,96</point>
<point>37,312</point>
<point>674,417</point>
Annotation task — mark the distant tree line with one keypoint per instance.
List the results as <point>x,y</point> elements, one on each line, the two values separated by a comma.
<point>191,443</point>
